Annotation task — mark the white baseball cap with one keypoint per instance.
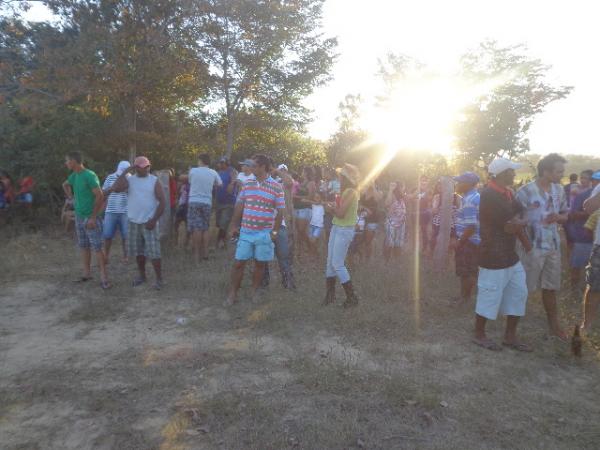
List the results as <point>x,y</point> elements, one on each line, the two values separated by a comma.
<point>499,165</point>
<point>282,167</point>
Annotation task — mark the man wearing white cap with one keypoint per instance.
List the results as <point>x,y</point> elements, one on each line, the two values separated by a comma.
<point>115,215</point>
<point>544,207</point>
<point>145,204</point>
<point>501,284</point>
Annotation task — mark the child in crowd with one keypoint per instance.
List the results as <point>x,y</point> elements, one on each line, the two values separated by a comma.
<point>356,246</point>
<point>317,222</point>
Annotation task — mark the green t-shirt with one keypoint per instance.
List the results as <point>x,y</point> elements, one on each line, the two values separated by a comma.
<point>351,216</point>
<point>82,184</point>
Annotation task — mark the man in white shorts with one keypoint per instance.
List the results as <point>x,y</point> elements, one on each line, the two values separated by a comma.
<point>544,207</point>
<point>501,285</point>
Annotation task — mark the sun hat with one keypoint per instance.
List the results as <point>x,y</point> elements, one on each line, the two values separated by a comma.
<point>499,165</point>
<point>141,162</point>
<point>351,172</point>
<point>467,177</point>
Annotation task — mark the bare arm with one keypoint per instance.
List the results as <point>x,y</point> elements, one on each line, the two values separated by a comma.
<point>278,220</point>
<point>236,220</point>
<point>160,196</point>
<point>592,204</point>
<point>68,189</point>
<point>121,184</point>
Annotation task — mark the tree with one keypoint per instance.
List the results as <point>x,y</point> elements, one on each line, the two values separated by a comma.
<point>499,120</point>
<point>348,135</point>
<point>262,55</point>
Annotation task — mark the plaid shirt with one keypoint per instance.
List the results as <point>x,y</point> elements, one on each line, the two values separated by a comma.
<point>467,215</point>
<point>261,201</point>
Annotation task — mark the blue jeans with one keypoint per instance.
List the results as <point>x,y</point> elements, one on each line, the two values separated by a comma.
<point>339,242</point>
<point>112,221</point>
<point>284,259</point>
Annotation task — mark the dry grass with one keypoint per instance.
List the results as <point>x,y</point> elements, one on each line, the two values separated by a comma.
<point>87,369</point>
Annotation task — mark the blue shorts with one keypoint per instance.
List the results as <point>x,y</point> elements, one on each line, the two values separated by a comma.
<point>112,221</point>
<point>256,245</point>
<point>25,197</point>
<point>198,217</point>
<point>303,214</point>
<point>580,254</point>
<point>315,232</point>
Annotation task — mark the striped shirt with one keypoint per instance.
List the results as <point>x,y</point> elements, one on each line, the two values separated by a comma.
<point>117,201</point>
<point>467,215</point>
<point>261,201</point>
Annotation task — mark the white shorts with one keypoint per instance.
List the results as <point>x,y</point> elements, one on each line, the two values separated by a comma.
<point>501,291</point>
<point>543,269</point>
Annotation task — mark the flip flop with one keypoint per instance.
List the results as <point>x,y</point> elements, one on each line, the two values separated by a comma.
<point>518,346</point>
<point>564,339</point>
<point>158,285</point>
<point>488,344</point>
<point>138,281</point>
<point>82,279</point>
<point>105,285</point>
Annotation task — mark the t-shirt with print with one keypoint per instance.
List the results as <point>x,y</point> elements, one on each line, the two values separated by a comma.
<point>537,205</point>
<point>593,224</point>
<point>83,183</point>
<point>397,213</point>
<point>261,199</point>
<point>467,215</point>
<point>117,201</point>
<point>497,247</point>
<point>202,181</point>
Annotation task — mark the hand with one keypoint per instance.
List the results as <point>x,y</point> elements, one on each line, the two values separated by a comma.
<point>234,231</point>
<point>551,218</point>
<point>150,224</point>
<point>130,170</point>
<point>274,235</point>
<point>90,224</point>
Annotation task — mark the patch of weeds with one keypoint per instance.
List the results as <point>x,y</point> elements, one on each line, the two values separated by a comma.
<point>96,310</point>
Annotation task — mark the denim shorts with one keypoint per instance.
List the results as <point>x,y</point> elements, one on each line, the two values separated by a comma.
<point>112,221</point>
<point>256,245</point>
<point>315,232</point>
<point>303,214</point>
<point>87,238</point>
<point>198,216</point>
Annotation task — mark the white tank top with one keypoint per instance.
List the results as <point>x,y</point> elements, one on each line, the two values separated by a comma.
<point>141,199</point>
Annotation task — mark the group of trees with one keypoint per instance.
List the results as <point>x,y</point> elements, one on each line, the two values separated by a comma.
<point>167,78</point>
<point>170,78</point>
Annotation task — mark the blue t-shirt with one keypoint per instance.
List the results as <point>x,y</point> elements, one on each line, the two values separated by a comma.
<point>574,227</point>
<point>224,197</point>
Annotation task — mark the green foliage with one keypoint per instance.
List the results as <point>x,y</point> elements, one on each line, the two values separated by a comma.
<point>500,119</point>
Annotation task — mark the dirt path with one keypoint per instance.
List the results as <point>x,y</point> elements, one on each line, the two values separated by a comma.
<point>85,369</point>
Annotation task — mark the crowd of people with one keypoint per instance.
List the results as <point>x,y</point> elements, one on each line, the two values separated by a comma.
<point>506,244</point>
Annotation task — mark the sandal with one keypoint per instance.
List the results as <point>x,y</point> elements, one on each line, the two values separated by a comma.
<point>488,344</point>
<point>138,281</point>
<point>105,285</point>
<point>158,284</point>
<point>518,346</point>
<point>82,279</point>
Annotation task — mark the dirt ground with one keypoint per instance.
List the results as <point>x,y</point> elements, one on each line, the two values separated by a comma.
<point>138,369</point>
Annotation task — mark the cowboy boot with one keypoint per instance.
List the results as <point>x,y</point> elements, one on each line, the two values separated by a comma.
<point>330,294</point>
<point>351,297</point>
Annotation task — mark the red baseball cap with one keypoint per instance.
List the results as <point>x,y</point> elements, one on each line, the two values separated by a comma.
<point>141,162</point>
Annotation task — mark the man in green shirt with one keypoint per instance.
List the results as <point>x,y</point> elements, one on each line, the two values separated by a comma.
<point>83,185</point>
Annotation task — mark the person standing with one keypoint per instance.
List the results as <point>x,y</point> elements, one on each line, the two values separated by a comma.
<point>501,285</point>
<point>544,207</point>
<point>225,197</point>
<point>371,202</point>
<point>395,223</point>
<point>146,203</point>
<point>582,241</point>
<point>591,297</point>
<point>256,220</point>
<point>83,186</point>
<point>202,180</point>
<point>467,234</point>
<point>345,214</point>
<point>115,214</point>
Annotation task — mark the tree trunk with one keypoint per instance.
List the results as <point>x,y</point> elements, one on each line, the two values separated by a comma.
<point>132,130</point>
<point>440,255</point>
<point>230,133</point>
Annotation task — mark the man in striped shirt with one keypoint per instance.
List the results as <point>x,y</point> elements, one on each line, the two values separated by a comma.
<point>115,215</point>
<point>256,219</point>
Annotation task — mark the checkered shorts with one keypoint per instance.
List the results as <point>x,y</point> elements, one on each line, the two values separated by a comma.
<point>198,216</point>
<point>87,238</point>
<point>143,242</point>
<point>592,271</point>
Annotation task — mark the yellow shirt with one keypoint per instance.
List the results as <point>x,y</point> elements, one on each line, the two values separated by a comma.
<point>351,216</point>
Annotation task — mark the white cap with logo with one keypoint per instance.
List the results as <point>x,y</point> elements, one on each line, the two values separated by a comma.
<point>499,165</point>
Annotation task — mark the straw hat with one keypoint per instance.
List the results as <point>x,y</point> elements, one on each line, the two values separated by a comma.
<point>351,172</point>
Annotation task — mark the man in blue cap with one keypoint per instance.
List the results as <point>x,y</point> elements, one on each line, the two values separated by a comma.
<point>467,234</point>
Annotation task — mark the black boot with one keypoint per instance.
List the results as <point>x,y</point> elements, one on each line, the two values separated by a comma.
<point>330,294</point>
<point>351,298</point>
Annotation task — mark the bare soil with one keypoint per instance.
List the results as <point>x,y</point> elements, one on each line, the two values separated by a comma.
<point>81,368</point>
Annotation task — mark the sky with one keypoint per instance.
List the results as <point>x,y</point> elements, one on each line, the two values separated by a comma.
<point>436,32</point>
